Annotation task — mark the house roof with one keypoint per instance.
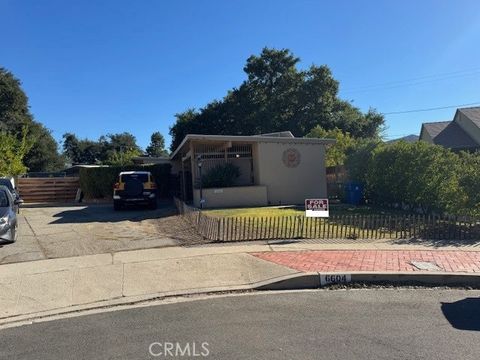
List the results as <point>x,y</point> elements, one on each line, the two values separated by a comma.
<point>473,113</point>
<point>435,128</point>
<point>408,138</point>
<point>449,134</point>
<point>279,134</point>
<point>135,172</point>
<point>251,139</point>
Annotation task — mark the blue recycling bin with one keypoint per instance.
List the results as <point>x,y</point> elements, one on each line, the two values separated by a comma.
<point>353,193</point>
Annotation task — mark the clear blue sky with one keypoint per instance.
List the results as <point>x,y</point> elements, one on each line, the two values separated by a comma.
<point>97,67</point>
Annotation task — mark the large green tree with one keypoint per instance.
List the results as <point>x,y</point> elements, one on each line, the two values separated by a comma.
<point>278,96</point>
<point>82,151</point>
<point>15,115</point>
<point>157,145</point>
<point>110,149</point>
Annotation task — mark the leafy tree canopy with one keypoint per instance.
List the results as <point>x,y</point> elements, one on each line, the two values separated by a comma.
<point>112,149</point>
<point>157,145</point>
<point>337,153</point>
<point>15,116</point>
<point>12,152</point>
<point>277,96</point>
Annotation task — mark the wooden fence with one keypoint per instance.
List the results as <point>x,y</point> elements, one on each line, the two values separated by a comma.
<point>48,189</point>
<point>335,227</point>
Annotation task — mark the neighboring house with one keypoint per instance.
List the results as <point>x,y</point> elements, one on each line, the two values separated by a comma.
<point>151,160</point>
<point>74,170</point>
<point>409,139</point>
<point>274,168</point>
<point>462,133</point>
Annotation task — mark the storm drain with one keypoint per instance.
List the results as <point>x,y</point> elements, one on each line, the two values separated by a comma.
<point>425,265</point>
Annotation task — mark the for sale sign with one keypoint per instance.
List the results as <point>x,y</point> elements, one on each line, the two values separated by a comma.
<point>316,208</point>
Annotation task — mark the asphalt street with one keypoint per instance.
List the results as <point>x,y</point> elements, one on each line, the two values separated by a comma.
<point>320,324</point>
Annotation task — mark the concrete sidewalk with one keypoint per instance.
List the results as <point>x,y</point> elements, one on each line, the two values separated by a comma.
<point>69,284</point>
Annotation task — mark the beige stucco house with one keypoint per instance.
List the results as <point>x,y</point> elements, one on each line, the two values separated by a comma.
<point>462,133</point>
<point>275,168</point>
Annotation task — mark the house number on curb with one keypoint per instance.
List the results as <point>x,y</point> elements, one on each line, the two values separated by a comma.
<point>335,279</point>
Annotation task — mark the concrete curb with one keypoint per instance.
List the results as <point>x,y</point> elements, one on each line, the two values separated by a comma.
<point>297,281</point>
<point>314,280</point>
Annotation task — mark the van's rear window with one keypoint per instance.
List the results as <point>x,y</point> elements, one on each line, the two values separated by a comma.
<point>140,177</point>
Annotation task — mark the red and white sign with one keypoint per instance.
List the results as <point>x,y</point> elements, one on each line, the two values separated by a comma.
<point>316,208</point>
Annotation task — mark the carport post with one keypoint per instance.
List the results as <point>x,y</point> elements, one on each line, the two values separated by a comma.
<point>183,183</point>
<point>199,163</point>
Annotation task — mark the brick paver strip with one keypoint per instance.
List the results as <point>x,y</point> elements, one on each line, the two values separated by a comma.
<point>373,260</point>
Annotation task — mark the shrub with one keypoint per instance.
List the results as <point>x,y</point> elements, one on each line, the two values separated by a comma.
<point>469,183</point>
<point>97,183</point>
<point>336,153</point>
<point>417,176</point>
<point>358,159</point>
<point>223,175</point>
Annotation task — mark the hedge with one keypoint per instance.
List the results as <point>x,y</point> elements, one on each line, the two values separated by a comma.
<point>418,176</point>
<point>97,183</point>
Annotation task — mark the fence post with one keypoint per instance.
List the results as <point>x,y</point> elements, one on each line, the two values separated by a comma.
<point>300,227</point>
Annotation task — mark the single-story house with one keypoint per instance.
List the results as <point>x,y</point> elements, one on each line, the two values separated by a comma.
<point>462,133</point>
<point>275,168</point>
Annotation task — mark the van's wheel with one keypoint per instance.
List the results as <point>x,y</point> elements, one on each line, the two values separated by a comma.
<point>117,205</point>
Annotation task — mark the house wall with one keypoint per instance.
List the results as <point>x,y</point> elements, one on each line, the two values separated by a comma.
<point>291,185</point>
<point>236,196</point>
<point>467,125</point>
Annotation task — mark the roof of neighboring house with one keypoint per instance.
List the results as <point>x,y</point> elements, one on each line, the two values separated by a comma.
<point>279,134</point>
<point>251,139</point>
<point>78,166</point>
<point>134,172</point>
<point>473,113</point>
<point>434,128</point>
<point>151,159</point>
<point>449,134</point>
<point>409,139</point>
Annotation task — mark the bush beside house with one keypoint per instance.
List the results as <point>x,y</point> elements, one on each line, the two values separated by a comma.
<point>417,176</point>
<point>222,175</point>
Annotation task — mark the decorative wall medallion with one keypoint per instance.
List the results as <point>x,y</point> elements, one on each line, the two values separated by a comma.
<point>291,158</point>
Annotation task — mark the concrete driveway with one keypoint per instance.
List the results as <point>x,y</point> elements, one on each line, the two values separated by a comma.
<point>54,231</point>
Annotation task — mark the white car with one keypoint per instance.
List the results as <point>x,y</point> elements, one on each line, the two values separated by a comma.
<point>8,215</point>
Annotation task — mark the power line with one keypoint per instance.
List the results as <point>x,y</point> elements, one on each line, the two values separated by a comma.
<point>415,81</point>
<point>430,109</point>
<point>397,135</point>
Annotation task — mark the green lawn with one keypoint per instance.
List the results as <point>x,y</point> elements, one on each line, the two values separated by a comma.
<point>353,222</point>
<point>271,211</point>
